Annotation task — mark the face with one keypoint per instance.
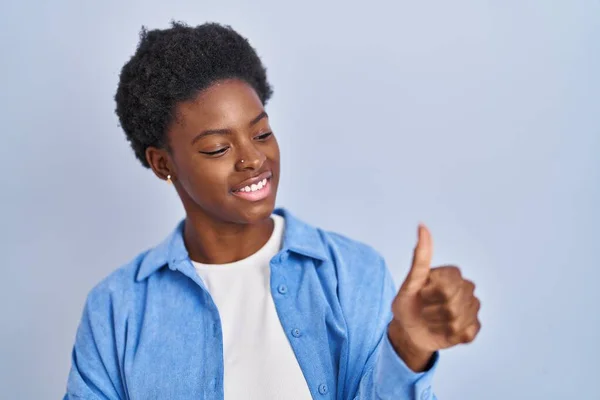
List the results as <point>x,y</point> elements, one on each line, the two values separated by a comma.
<point>223,156</point>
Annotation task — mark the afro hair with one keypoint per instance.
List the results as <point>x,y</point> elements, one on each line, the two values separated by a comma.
<point>173,65</point>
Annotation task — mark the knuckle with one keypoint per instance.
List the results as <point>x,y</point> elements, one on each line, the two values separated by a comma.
<point>477,304</point>
<point>467,337</point>
<point>470,286</point>
<point>477,326</point>
<point>471,333</point>
<point>453,328</point>
<point>434,274</point>
<point>446,272</point>
<point>454,272</point>
<point>451,313</point>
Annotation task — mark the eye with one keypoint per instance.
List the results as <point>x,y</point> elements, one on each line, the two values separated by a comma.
<point>263,136</point>
<point>215,153</point>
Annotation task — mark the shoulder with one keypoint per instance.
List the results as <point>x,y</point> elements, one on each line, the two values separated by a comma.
<point>350,260</point>
<point>130,280</point>
<point>118,284</point>
<point>325,244</point>
<point>356,263</point>
<point>364,284</point>
<point>342,245</point>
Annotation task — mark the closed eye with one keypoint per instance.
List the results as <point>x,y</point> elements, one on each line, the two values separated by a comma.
<point>215,153</point>
<point>264,136</point>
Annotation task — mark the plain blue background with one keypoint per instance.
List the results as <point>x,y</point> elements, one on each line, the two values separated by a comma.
<point>481,119</point>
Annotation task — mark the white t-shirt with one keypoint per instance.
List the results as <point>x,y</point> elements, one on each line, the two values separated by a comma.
<point>259,361</point>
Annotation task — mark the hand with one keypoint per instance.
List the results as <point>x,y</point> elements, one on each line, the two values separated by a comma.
<point>434,309</point>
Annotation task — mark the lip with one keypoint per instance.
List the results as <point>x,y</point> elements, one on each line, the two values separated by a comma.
<point>252,181</point>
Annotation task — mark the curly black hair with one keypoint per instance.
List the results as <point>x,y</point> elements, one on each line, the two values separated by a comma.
<point>173,65</point>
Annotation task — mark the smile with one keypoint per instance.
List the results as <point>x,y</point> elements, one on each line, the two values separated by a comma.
<point>253,188</point>
<point>256,191</point>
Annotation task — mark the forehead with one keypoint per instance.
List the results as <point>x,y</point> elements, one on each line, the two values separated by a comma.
<point>226,104</point>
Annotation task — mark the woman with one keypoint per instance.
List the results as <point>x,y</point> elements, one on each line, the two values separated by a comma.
<point>243,301</point>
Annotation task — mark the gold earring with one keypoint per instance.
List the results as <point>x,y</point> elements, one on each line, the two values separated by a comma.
<point>169,181</point>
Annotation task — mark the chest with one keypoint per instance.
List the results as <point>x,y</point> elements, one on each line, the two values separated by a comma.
<point>193,340</point>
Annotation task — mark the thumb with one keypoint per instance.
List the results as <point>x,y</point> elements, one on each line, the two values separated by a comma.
<point>421,264</point>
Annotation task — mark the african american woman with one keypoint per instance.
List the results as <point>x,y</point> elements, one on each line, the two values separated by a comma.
<point>243,300</point>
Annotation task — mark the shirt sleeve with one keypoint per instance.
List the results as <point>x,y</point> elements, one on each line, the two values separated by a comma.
<point>394,380</point>
<point>385,375</point>
<point>94,373</point>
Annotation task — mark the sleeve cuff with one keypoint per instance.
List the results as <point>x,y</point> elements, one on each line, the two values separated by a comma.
<point>394,380</point>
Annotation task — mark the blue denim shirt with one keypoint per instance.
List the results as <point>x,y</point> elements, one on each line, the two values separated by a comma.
<point>150,330</point>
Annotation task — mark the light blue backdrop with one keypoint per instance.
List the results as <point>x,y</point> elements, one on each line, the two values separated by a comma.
<point>481,119</point>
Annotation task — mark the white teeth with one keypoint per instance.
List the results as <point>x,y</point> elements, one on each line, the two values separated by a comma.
<point>255,187</point>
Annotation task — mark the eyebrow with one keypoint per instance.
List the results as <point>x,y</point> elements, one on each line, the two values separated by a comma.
<point>227,131</point>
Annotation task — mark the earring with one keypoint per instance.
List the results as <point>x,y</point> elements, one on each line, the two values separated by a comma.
<point>169,181</point>
<point>242,161</point>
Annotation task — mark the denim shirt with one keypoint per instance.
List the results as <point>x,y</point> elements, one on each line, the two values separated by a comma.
<point>150,330</point>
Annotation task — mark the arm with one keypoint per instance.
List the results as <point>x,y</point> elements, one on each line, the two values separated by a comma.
<point>435,309</point>
<point>385,374</point>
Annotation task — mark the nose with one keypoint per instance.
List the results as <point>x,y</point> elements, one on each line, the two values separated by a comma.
<point>251,159</point>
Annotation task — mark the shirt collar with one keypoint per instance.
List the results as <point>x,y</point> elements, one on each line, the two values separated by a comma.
<point>299,237</point>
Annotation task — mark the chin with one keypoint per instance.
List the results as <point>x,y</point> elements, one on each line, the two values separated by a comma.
<point>257,212</point>
<point>247,211</point>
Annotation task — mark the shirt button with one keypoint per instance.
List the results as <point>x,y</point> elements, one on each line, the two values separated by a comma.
<point>426,395</point>
<point>323,388</point>
<point>282,289</point>
<point>296,332</point>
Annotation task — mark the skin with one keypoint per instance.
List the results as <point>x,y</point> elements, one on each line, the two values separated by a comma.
<point>434,309</point>
<point>220,227</point>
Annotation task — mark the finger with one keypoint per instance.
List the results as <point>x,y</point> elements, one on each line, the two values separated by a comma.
<point>444,283</point>
<point>451,324</point>
<point>445,273</point>
<point>467,316</point>
<point>443,311</point>
<point>421,263</point>
<point>470,332</point>
<point>436,313</point>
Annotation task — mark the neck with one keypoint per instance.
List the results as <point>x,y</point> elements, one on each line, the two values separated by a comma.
<point>209,241</point>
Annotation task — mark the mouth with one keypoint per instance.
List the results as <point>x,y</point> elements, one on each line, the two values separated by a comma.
<point>254,189</point>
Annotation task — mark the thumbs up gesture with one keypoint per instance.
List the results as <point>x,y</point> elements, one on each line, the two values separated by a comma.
<point>434,309</point>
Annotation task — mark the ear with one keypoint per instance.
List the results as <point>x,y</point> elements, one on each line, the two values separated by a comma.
<point>160,162</point>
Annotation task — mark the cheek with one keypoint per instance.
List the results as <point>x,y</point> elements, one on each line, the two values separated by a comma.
<point>207,180</point>
<point>212,176</point>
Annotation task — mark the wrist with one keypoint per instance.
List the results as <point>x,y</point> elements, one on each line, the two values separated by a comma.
<point>416,359</point>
